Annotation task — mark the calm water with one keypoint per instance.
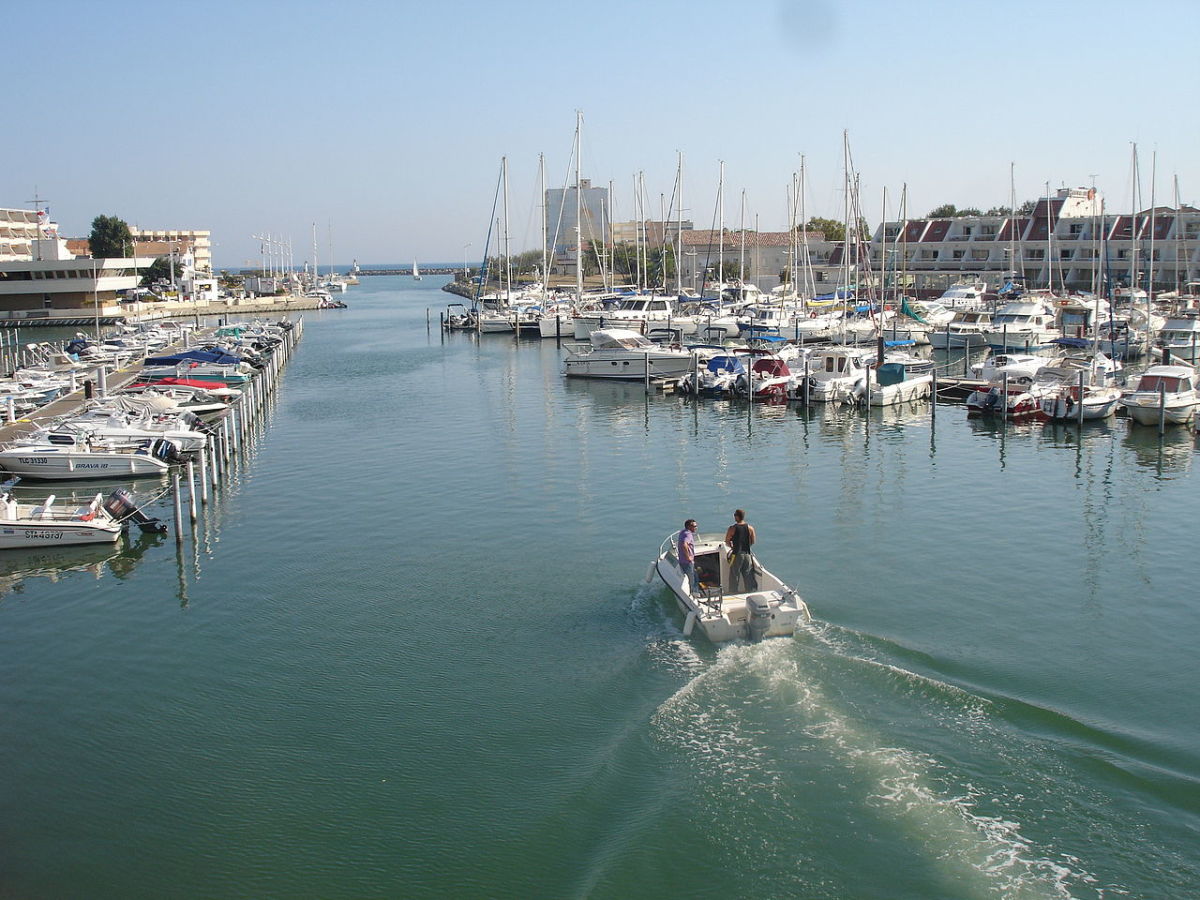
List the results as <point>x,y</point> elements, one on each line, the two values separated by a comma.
<point>410,652</point>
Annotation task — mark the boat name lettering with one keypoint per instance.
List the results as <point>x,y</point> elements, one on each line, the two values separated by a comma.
<point>33,460</point>
<point>44,535</point>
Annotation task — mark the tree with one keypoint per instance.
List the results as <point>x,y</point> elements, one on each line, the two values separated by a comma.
<point>160,270</point>
<point>945,211</point>
<point>110,238</point>
<point>834,230</point>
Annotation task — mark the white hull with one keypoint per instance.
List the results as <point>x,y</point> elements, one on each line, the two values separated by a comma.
<point>30,525</point>
<point>15,535</point>
<point>1098,403</point>
<point>53,464</point>
<point>630,367</point>
<point>919,387</point>
<point>956,340</point>
<point>1147,410</point>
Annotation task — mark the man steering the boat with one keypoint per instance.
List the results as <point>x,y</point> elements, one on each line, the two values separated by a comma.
<point>686,551</point>
<point>739,538</point>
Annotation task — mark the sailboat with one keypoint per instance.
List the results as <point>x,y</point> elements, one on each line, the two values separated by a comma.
<point>416,272</point>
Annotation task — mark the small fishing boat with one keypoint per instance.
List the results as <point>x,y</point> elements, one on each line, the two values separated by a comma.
<point>772,609</point>
<point>51,524</point>
<point>47,525</point>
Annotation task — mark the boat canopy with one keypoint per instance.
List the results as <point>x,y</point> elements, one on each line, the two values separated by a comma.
<point>771,366</point>
<point>619,339</point>
<point>730,364</point>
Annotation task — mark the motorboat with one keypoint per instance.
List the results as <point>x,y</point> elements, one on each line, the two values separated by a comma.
<point>623,354</point>
<point>640,313</point>
<point>119,426</point>
<point>71,455</point>
<point>1008,399</point>
<point>1022,325</point>
<point>894,382</point>
<point>772,609</point>
<point>1020,368</point>
<point>1163,393</point>
<point>965,295</point>
<point>51,524</point>
<point>768,378</point>
<point>717,378</point>
<point>833,374</point>
<point>1180,337</point>
<point>964,331</point>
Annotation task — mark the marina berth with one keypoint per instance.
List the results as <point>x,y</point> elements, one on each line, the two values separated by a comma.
<point>770,609</point>
<point>617,353</point>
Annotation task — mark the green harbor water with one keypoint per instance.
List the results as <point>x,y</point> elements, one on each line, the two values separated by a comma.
<point>408,651</point>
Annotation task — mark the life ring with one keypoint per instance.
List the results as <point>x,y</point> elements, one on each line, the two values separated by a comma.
<point>813,314</point>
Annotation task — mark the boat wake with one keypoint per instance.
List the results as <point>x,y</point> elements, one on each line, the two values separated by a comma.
<point>789,736</point>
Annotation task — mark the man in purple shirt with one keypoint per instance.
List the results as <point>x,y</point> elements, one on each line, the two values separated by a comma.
<point>687,552</point>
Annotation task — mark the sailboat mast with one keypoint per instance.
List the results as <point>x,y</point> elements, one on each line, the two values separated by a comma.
<point>1153,217</point>
<point>578,215</point>
<point>1015,250</point>
<point>679,229</point>
<point>507,253</point>
<point>721,231</point>
<point>545,273</point>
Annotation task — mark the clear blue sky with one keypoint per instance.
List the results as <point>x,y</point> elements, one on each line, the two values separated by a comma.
<point>384,123</point>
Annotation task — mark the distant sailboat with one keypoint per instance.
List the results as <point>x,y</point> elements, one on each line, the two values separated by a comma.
<point>416,272</point>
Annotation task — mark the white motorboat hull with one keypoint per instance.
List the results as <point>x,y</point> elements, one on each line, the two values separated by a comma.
<point>51,463</point>
<point>18,534</point>
<point>631,367</point>
<point>722,617</point>
<point>1098,403</point>
<point>1146,410</point>
<point>919,387</point>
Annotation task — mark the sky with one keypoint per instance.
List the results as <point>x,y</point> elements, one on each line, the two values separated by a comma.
<point>383,124</point>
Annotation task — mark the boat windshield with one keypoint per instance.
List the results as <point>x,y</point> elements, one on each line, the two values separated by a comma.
<point>1169,383</point>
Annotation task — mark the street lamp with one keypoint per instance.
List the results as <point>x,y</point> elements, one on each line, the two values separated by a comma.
<point>466,272</point>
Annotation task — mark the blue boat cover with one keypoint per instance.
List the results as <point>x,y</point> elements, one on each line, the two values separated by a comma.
<point>217,357</point>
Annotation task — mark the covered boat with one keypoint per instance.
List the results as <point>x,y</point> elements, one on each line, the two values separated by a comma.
<point>772,609</point>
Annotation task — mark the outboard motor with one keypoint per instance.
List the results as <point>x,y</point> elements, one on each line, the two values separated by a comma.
<point>121,506</point>
<point>758,616</point>
<point>166,450</point>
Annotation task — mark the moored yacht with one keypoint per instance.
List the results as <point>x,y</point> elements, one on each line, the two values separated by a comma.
<point>622,354</point>
<point>1163,393</point>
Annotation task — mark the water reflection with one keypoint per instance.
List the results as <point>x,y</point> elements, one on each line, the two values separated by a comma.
<point>55,563</point>
<point>1168,455</point>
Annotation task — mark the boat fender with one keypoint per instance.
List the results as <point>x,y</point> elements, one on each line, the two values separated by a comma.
<point>689,623</point>
<point>650,572</point>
